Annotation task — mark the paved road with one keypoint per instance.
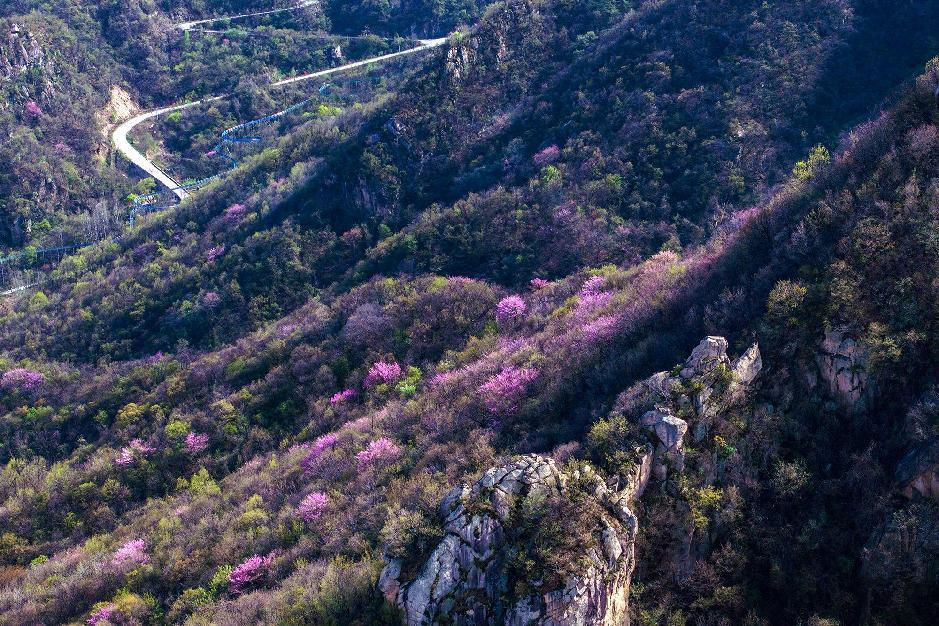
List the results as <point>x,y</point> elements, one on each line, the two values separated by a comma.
<point>425,44</point>
<point>300,5</point>
<point>119,137</point>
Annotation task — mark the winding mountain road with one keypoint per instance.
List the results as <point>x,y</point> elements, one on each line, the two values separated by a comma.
<point>123,145</point>
<point>119,138</point>
<point>190,25</point>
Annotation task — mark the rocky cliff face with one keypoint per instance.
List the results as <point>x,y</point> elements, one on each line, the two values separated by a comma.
<point>705,385</point>
<point>21,55</point>
<point>472,575</point>
<point>531,543</point>
<point>20,52</point>
<point>842,364</point>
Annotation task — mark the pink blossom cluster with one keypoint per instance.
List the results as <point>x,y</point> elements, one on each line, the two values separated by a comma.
<point>510,309</point>
<point>601,328</point>
<point>155,358</point>
<point>33,109</point>
<point>196,442</point>
<point>215,253</point>
<point>504,392</point>
<point>313,506</point>
<point>322,443</point>
<point>21,379</point>
<point>235,212</point>
<point>380,451</point>
<point>134,450</point>
<point>103,614</point>
<point>342,396</point>
<point>546,156</point>
<point>593,301</point>
<point>286,330</point>
<point>592,296</point>
<point>383,373</point>
<point>131,554</point>
<point>539,283</point>
<point>250,573</point>
<point>442,377</point>
<point>211,298</point>
<point>352,236</point>
<point>592,286</point>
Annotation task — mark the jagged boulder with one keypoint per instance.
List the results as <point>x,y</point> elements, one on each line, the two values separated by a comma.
<point>746,368</point>
<point>707,355</point>
<point>708,383</point>
<point>471,576</point>
<point>670,431</point>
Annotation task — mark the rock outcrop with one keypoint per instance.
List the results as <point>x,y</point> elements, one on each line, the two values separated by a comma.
<point>468,579</point>
<point>20,53</point>
<point>707,383</point>
<point>842,364</point>
<point>695,399</point>
<point>472,575</point>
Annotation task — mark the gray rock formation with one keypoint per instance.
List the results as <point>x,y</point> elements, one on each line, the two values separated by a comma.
<point>748,366</point>
<point>708,382</point>
<point>842,364</point>
<point>466,578</point>
<point>669,429</point>
<point>707,355</point>
<point>670,432</point>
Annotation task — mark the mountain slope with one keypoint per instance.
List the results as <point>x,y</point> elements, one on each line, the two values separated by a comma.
<point>250,404</point>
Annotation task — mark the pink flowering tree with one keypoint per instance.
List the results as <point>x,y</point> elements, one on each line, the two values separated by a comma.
<point>504,392</point>
<point>196,443</point>
<point>313,506</point>
<point>211,299</point>
<point>133,452</point>
<point>104,614</point>
<point>234,213</point>
<point>284,331</point>
<point>509,310</point>
<point>592,296</point>
<point>215,253</point>
<point>539,283</point>
<point>547,156</point>
<point>382,373</point>
<point>321,445</point>
<point>342,397</point>
<point>21,379</point>
<point>249,574</point>
<point>592,285</point>
<point>600,328</point>
<point>32,109</point>
<point>130,555</point>
<point>380,452</point>
<point>442,378</point>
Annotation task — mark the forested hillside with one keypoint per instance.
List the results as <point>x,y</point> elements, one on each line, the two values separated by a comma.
<point>681,255</point>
